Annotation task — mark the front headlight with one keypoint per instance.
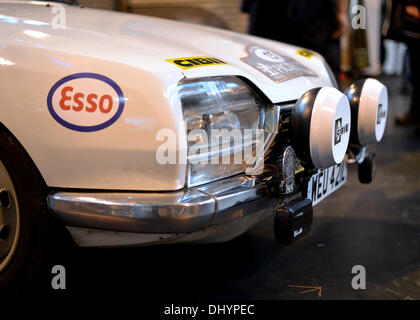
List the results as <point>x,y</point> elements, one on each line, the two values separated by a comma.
<point>222,116</point>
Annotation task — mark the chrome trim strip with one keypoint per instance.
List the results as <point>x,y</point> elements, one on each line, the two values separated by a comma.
<point>286,107</point>
<point>87,237</point>
<point>182,211</point>
<point>231,192</point>
<point>173,212</point>
<point>272,119</point>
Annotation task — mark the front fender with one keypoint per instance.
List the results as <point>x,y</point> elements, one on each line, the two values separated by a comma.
<point>121,156</point>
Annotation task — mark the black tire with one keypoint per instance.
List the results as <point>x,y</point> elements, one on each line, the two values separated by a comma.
<point>25,264</point>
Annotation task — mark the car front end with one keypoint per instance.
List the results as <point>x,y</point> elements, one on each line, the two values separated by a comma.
<point>136,123</point>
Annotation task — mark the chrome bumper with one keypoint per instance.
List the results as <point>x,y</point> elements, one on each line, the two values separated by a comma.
<point>184,211</point>
<point>216,212</point>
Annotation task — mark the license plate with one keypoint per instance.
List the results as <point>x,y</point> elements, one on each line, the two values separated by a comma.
<point>326,181</point>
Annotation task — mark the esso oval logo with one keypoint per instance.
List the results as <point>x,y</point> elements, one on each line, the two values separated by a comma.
<point>86,102</point>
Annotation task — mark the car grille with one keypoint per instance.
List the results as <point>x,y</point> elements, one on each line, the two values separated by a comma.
<point>274,155</point>
<point>283,138</point>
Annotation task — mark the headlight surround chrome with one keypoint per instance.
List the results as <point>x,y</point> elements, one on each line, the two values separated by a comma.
<point>224,105</point>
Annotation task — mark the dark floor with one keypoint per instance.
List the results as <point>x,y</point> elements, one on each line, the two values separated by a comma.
<point>376,225</point>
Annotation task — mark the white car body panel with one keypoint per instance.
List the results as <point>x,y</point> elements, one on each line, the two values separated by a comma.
<point>132,51</point>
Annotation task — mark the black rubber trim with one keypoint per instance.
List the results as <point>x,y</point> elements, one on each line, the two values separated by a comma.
<point>300,125</point>
<point>353,93</point>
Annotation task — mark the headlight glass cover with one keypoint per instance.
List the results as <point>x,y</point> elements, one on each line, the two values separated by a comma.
<point>222,116</point>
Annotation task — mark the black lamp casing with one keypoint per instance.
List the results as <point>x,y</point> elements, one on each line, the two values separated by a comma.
<point>353,93</point>
<point>300,124</point>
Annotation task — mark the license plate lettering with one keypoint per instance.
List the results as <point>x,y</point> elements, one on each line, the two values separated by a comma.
<point>326,181</point>
<point>320,180</point>
<point>339,175</point>
<point>333,177</point>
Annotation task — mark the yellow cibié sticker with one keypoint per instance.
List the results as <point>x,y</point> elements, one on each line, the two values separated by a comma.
<point>305,53</point>
<point>193,62</point>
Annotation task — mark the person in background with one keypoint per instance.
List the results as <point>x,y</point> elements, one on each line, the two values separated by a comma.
<point>315,25</point>
<point>409,24</point>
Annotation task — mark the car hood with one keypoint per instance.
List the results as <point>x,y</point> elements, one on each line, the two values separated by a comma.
<point>147,43</point>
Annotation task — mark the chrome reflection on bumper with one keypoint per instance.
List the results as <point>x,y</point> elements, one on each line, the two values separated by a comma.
<point>182,211</point>
<point>185,211</point>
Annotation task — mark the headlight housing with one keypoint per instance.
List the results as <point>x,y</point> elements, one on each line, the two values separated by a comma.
<point>218,111</point>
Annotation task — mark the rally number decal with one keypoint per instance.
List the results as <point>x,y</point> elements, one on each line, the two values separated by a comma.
<point>86,102</point>
<point>273,65</point>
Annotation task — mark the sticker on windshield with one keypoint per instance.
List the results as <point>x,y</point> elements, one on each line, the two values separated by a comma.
<point>276,67</point>
<point>193,62</point>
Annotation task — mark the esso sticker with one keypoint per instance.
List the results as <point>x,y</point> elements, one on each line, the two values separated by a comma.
<point>86,102</point>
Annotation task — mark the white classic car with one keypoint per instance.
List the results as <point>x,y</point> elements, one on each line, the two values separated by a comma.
<point>113,125</point>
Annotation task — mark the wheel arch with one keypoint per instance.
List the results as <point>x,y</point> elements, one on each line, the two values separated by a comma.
<point>5,129</point>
